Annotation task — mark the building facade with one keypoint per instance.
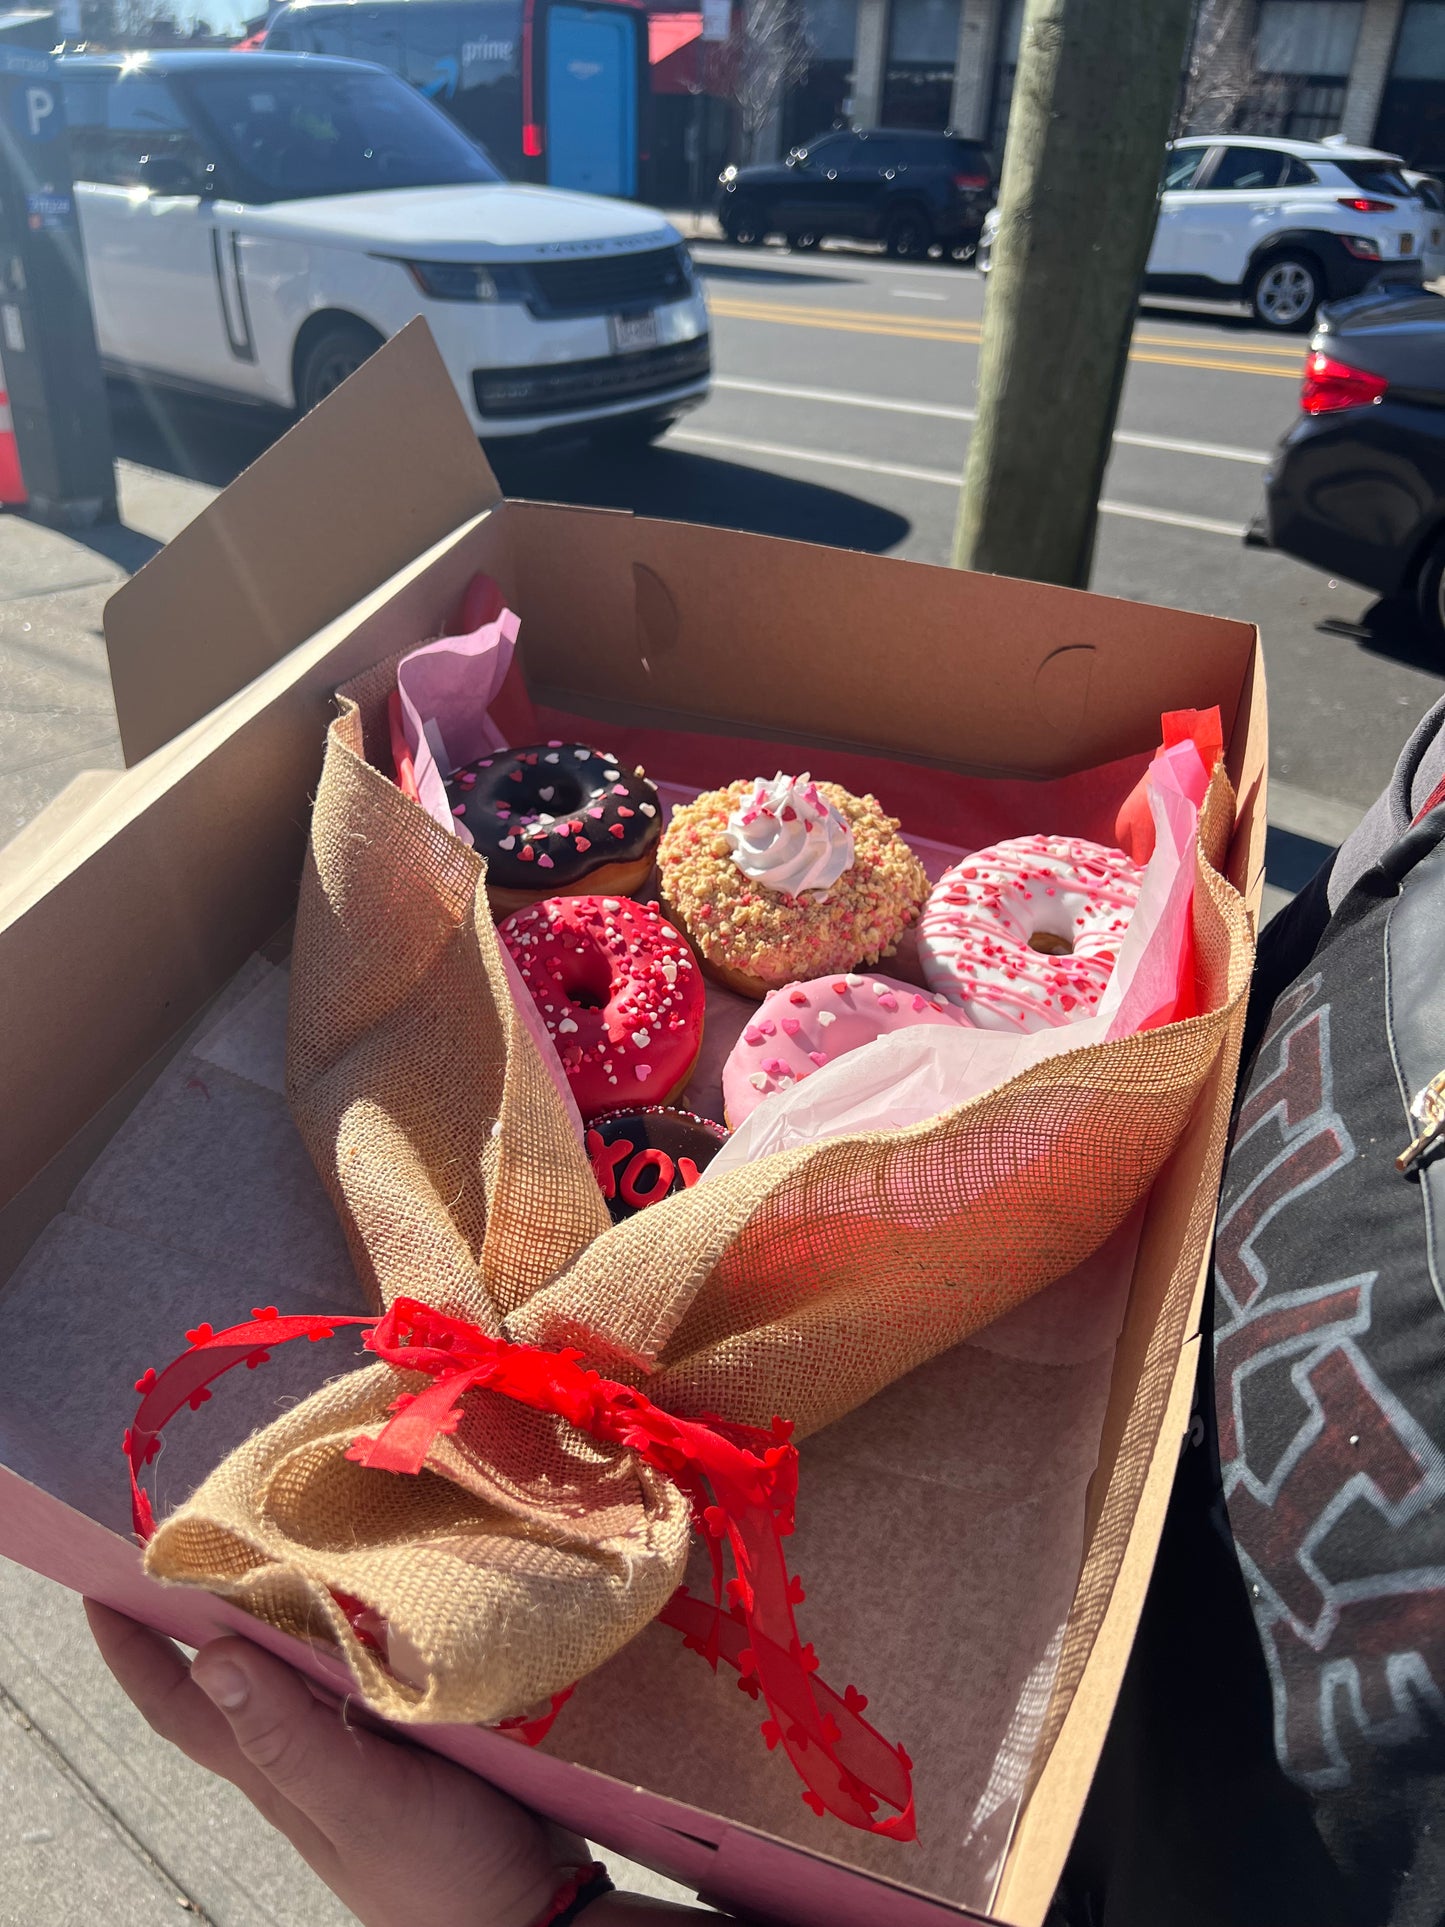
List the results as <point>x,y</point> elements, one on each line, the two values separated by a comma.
<point>1373,70</point>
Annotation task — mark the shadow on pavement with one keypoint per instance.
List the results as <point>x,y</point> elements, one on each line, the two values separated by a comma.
<point>1391,629</point>
<point>837,253</point>
<point>738,271</point>
<point>204,441</point>
<point>213,442</point>
<point>1291,860</point>
<point>678,486</point>
<point>1232,324</point>
<point>128,548</point>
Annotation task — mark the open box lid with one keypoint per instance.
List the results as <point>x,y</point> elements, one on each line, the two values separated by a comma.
<point>200,621</point>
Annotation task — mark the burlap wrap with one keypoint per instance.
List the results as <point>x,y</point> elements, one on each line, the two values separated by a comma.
<point>799,1285</point>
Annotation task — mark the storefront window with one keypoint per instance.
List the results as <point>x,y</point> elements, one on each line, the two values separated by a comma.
<point>1412,112</point>
<point>922,50</point>
<point>825,98</point>
<point>1420,53</point>
<point>832,28</point>
<point>1303,53</point>
<point>1008,60</point>
<point>1311,38</point>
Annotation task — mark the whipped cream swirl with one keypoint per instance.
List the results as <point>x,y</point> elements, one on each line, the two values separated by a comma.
<point>789,838</point>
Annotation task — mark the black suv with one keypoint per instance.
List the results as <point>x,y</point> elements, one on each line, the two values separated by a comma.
<point>900,186</point>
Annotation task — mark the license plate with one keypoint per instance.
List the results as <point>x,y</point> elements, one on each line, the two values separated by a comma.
<point>633,331</point>
<point>1407,243</point>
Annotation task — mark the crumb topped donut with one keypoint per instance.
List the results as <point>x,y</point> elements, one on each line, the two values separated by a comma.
<point>1025,935</point>
<point>787,879</point>
<point>619,992</point>
<point>555,819</point>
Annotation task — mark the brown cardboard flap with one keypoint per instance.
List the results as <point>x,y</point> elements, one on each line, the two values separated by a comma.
<point>157,891</point>
<point>380,471</point>
<point>702,627</point>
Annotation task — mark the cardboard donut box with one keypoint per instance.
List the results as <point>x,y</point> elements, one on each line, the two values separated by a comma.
<point>125,916</point>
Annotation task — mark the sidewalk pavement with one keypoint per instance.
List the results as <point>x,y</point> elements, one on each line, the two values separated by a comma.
<point>56,714</point>
<point>695,226</point>
<point>99,1819</point>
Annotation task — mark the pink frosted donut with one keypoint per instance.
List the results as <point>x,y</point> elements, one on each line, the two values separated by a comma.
<point>1024,936</point>
<point>802,1027</point>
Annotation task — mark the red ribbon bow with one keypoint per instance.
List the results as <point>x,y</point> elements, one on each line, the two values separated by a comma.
<point>740,1484</point>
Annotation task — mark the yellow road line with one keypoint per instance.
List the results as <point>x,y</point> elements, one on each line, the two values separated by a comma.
<point>802,311</point>
<point>841,324</point>
<point>1216,365</point>
<point>1292,350</point>
<point>756,305</point>
<point>968,334</point>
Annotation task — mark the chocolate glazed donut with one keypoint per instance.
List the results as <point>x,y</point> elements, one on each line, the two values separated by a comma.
<point>557,820</point>
<point>640,1157</point>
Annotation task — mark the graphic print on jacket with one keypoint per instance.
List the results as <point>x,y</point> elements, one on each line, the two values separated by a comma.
<point>1330,1374</point>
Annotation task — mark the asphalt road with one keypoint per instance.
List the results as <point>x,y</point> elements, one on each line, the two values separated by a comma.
<point>842,408</point>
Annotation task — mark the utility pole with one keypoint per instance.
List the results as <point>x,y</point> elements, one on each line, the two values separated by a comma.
<point>1093,98</point>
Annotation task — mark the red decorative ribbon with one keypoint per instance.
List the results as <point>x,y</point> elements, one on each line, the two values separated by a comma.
<point>1432,802</point>
<point>740,1484</point>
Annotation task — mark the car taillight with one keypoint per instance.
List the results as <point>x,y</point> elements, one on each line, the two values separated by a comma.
<point>1329,385</point>
<point>1362,204</point>
<point>532,140</point>
<point>970,180</point>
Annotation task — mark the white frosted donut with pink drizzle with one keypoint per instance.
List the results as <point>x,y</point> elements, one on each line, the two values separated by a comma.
<point>1024,936</point>
<point>802,1027</point>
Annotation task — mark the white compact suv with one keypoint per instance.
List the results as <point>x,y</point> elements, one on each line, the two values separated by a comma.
<point>255,225</point>
<point>1281,224</point>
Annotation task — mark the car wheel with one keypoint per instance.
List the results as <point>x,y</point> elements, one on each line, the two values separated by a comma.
<point>744,224</point>
<point>908,237</point>
<point>1284,292</point>
<point>803,240</point>
<point>1430,598</point>
<point>337,351</point>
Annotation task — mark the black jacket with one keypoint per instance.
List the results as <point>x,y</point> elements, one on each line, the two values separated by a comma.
<point>1277,1758</point>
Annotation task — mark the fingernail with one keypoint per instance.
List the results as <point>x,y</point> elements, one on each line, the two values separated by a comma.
<point>222,1683</point>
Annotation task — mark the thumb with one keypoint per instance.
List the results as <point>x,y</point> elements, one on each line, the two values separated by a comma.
<point>326,1769</point>
<point>347,1795</point>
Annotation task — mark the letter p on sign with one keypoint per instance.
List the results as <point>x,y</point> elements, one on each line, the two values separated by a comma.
<point>39,107</point>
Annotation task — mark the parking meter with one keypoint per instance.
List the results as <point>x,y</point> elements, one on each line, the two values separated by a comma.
<point>47,334</point>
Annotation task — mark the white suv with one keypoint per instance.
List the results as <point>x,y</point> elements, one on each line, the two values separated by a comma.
<point>1281,224</point>
<point>255,225</point>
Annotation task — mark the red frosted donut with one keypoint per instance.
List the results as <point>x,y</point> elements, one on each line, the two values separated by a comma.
<point>619,991</point>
